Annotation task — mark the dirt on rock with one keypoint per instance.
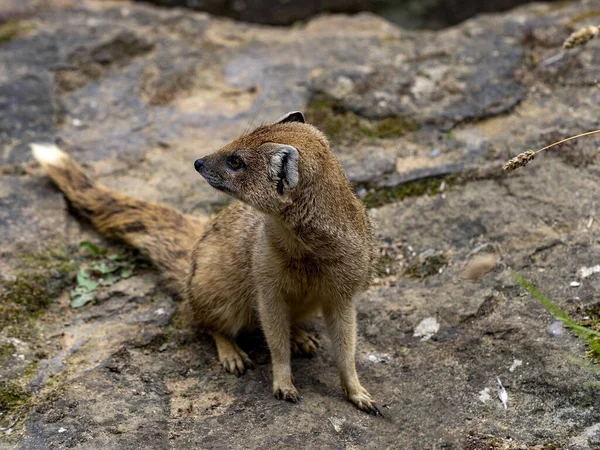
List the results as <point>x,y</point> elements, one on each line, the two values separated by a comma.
<point>136,93</point>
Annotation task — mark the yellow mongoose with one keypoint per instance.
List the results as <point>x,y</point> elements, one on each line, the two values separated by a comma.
<point>297,243</point>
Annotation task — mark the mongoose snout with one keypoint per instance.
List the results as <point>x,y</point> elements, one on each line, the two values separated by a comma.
<point>199,165</point>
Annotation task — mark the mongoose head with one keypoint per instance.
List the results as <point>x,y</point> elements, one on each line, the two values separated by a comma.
<point>266,167</point>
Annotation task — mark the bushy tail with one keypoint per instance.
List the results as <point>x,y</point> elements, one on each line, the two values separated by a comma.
<point>163,234</point>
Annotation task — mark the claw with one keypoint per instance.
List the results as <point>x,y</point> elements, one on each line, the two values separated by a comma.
<point>363,401</point>
<point>303,343</point>
<point>375,411</point>
<point>289,395</point>
<point>237,363</point>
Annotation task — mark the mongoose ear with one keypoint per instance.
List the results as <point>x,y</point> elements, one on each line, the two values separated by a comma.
<point>294,116</point>
<point>283,167</point>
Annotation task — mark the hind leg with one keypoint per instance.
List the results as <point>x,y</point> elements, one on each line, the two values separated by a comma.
<point>303,343</point>
<point>232,358</point>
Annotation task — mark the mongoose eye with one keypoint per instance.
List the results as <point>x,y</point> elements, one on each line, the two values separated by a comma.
<point>235,163</point>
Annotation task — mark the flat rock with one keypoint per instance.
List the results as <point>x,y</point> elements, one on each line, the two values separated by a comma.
<point>136,93</point>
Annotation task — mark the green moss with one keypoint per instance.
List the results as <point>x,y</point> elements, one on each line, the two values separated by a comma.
<point>428,266</point>
<point>379,196</point>
<point>6,352</point>
<point>53,259</point>
<point>393,127</point>
<point>31,369</point>
<point>25,297</point>
<point>29,291</point>
<point>12,396</point>
<point>593,322</point>
<point>342,126</point>
<point>9,30</point>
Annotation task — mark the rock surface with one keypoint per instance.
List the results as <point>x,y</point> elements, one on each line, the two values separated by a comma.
<point>137,93</point>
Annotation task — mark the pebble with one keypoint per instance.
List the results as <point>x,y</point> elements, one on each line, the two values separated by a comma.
<point>556,328</point>
<point>588,271</point>
<point>427,328</point>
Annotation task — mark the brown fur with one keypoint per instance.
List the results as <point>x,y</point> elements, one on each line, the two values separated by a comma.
<point>297,243</point>
<point>163,234</point>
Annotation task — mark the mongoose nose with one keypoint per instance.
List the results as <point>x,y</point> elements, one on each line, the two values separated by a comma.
<point>199,164</point>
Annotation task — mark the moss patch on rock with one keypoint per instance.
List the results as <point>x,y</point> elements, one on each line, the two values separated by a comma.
<point>12,397</point>
<point>11,29</point>
<point>42,278</point>
<point>6,352</point>
<point>427,266</point>
<point>592,321</point>
<point>377,196</point>
<point>342,126</point>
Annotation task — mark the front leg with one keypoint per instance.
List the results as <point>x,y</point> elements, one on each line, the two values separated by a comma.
<point>340,319</point>
<point>274,317</point>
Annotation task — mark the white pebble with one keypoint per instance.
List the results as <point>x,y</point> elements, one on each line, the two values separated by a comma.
<point>556,328</point>
<point>516,363</point>
<point>585,272</point>
<point>484,395</point>
<point>427,328</point>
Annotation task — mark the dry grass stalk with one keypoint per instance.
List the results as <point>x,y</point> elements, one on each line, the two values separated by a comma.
<point>519,161</point>
<point>523,158</point>
<point>582,36</point>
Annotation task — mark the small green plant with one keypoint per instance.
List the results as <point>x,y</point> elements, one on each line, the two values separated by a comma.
<point>105,270</point>
<point>589,336</point>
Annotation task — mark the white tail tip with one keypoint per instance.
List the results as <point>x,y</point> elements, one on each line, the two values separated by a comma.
<point>48,154</point>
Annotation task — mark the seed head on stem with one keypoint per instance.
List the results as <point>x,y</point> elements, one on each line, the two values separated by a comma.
<point>581,36</point>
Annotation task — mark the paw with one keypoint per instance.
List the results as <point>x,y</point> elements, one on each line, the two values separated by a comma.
<point>289,394</point>
<point>236,362</point>
<point>363,401</point>
<point>303,343</point>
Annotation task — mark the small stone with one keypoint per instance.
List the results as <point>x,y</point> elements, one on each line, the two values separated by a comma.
<point>479,265</point>
<point>337,423</point>
<point>427,328</point>
<point>484,395</point>
<point>575,284</point>
<point>62,430</point>
<point>585,272</point>
<point>516,363</point>
<point>556,328</point>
